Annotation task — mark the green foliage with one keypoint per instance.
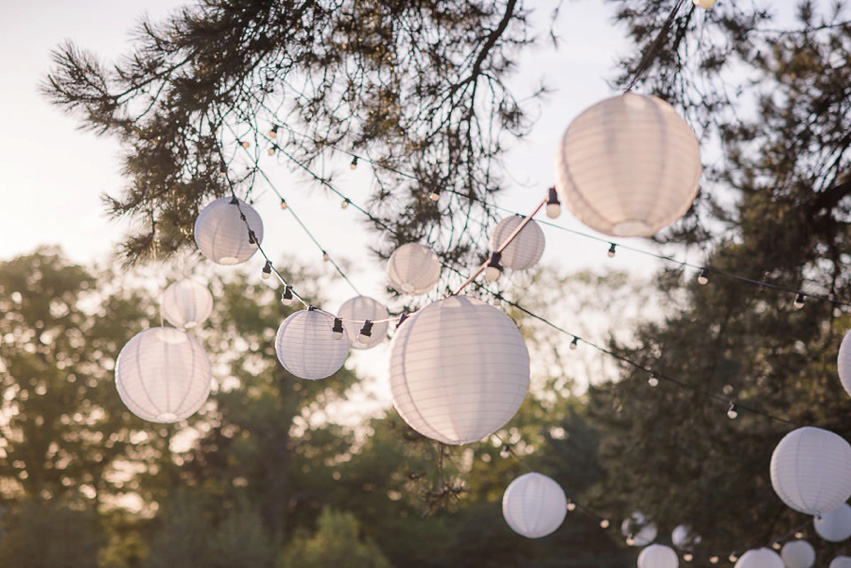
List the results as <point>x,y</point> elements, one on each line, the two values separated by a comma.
<point>335,543</point>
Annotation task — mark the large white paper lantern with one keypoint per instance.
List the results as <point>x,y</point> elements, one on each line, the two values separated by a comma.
<point>798,554</point>
<point>760,558</point>
<point>459,370</point>
<point>810,470</point>
<point>658,556</point>
<point>163,375</point>
<point>413,269</point>
<point>307,346</point>
<point>534,505</point>
<point>525,250</point>
<point>841,562</point>
<point>628,166</point>
<point>222,234</point>
<point>843,363</point>
<point>638,530</point>
<point>186,303</point>
<point>361,308</point>
<point>834,526</point>
<point>683,537</point>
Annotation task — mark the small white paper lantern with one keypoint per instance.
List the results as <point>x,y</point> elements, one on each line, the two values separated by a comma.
<point>163,375</point>
<point>683,538</point>
<point>306,345</point>
<point>810,470</point>
<point>223,236</point>
<point>534,505</point>
<point>834,526</point>
<point>843,363</point>
<point>413,269</point>
<point>362,308</point>
<point>760,558</point>
<point>705,4</point>
<point>186,303</point>
<point>527,247</point>
<point>841,562</point>
<point>798,554</point>
<point>628,166</point>
<point>638,531</point>
<point>459,370</point>
<point>658,556</point>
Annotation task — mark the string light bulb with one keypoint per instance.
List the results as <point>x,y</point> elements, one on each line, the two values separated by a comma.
<point>604,524</point>
<point>267,270</point>
<point>504,452</point>
<point>325,256</point>
<point>365,334</point>
<point>732,411</point>
<point>705,4</point>
<point>223,169</point>
<point>571,506</point>
<point>434,196</point>
<point>799,301</point>
<point>273,132</point>
<point>612,250</point>
<point>337,329</point>
<point>799,534</point>
<point>688,557</point>
<point>732,557</point>
<point>714,560</point>
<point>345,204</point>
<point>283,203</point>
<point>271,151</point>
<point>574,343</point>
<point>776,545</point>
<point>703,277</point>
<point>354,163</point>
<point>287,296</point>
<point>246,144</point>
<point>553,203</point>
<point>653,379</point>
<point>494,268</point>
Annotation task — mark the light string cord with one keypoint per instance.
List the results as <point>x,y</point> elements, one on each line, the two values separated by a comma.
<point>650,52</point>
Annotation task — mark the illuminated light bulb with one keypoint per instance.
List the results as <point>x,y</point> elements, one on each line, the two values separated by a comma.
<point>799,301</point>
<point>732,411</point>
<point>494,269</point>
<point>246,144</point>
<point>504,452</point>
<point>354,163</point>
<point>653,380</point>
<point>273,133</point>
<point>571,506</point>
<point>223,170</point>
<point>267,270</point>
<point>630,541</point>
<point>703,277</point>
<point>714,559</point>
<point>612,250</point>
<point>688,557</point>
<point>553,203</point>
<point>283,203</point>
<point>271,150</point>
<point>705,4</point>
<point>732,557</point>
<point>337,329</point>
<point>325,256</point>
<point>434,196</point>
<point>799,534</point>
<point>604,524</point>
<point>574,343</point>
<point>345,203</point>
<point>365,334</point>
<point>287,296</point>
<point>776,545</point>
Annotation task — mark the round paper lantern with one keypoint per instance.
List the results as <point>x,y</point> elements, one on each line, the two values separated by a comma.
<point>798,554</point>
<point>809,470</point>
<point>628,166</point>
<point>459,370</point>
<point>306,345</point>
<point>222,235</point>
<point>683,538</point>
<point>760,558</point>
<point>534,505</point>
<point>638,530</point>
<point>658,556</point>
<point>841,562</point>
<point>843,363</point>
<point>834,526</point>
<point>525,250</point>
<point>186,303</point>
<point>413,269</point>
<point>362,308</point>
<point>163,375</point>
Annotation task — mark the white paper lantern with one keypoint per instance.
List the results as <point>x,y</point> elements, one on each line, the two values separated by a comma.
<point>362,308</point>
<point>163,375</point>
<point>222,234</point>
<point>525,250</point>
<point>843,363</point>
<point>683,538</point>
<point>306,345</point>
<point>186,303</point>
<point>841,562</point>
<point>658,556</point>
<point>628,166</point>
<point>810,470</point>
<point>760,558</point>
<point>834,526</point>
<point>705,4</point>
<point>534,505</point>
<point>798,554</point>
<point>459,370</point>
<point>638,530</point>
<point>413,269</point>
